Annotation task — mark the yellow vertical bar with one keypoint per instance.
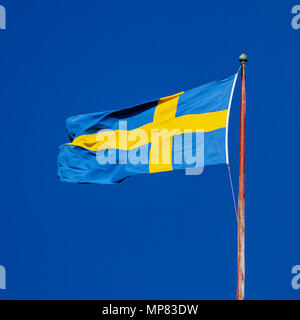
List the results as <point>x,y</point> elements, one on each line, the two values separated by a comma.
<point>160,157</point>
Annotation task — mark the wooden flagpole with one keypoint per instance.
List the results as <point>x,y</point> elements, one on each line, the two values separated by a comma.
<point>241,211</point>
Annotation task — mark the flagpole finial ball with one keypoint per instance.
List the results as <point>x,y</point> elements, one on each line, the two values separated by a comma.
<point>243,58</point>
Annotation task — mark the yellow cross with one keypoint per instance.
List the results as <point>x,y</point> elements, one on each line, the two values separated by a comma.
<point>164,118</point>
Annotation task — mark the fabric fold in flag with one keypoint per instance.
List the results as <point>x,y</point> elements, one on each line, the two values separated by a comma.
<point>171,133</point>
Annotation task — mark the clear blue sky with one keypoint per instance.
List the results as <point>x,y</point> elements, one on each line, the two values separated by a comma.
<point>162,236</point>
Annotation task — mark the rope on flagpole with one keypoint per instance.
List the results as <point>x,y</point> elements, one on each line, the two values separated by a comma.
<point>229,169</point>
<point>232,192</point>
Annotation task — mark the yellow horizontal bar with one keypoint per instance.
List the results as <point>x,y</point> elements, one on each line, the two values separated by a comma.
<point>131,139</point>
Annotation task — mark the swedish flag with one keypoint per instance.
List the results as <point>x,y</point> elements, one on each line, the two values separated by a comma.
<point>107,147</point>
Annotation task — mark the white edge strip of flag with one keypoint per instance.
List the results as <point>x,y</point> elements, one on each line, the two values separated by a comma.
<point>228,114</point>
